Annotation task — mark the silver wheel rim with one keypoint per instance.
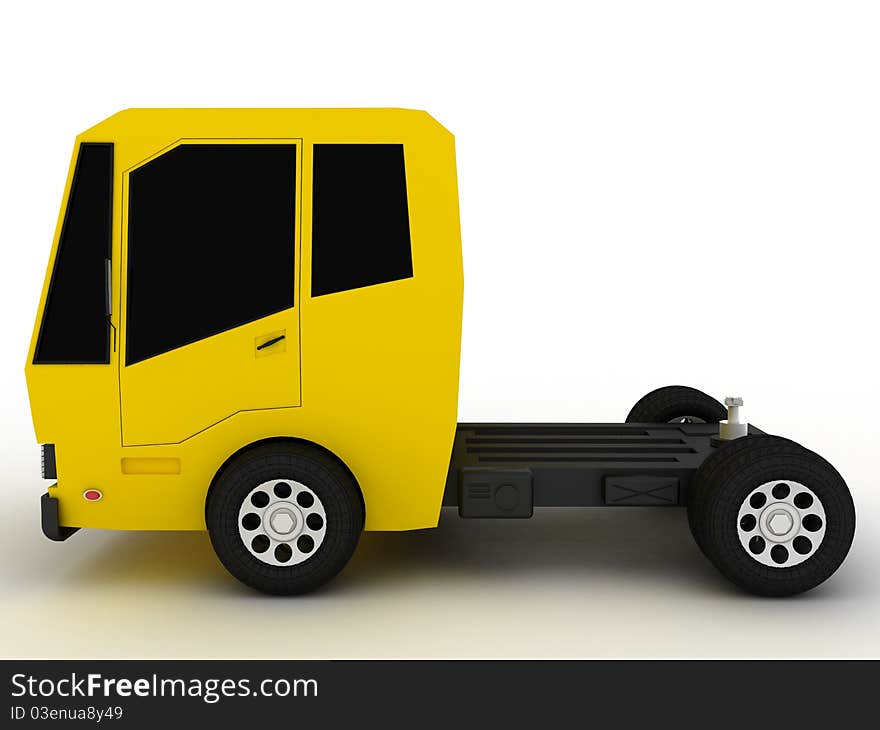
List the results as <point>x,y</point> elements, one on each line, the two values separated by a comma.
<point>781,523</point>
<point>282,522</point>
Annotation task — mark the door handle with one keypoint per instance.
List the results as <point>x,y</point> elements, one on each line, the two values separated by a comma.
<point>269,343</point>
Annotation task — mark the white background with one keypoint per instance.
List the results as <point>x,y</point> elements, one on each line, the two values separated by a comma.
<point>651,193</point>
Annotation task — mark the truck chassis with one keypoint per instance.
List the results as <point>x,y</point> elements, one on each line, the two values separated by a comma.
<point>506,469</point>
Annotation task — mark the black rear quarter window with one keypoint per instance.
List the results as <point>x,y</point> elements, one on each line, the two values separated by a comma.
<point>360,217</point>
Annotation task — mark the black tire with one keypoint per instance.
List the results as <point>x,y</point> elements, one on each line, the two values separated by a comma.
<point>676,402</point>
<point>705,474</point>
<point>327,479</point>
<point>727,478</point>
<point>679,403</point>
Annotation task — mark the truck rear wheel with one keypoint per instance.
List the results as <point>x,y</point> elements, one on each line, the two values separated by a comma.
<point>706,474</point>
<point>773,517</point>
<point>677,404</point>
<point>284,518</point>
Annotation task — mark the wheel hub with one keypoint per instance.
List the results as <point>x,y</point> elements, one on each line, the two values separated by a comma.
<point>781,523</point>
<point>282,522</point>
<point>777,522</point>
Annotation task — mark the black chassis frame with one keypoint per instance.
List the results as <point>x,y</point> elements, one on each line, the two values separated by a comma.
<point>506,469</point>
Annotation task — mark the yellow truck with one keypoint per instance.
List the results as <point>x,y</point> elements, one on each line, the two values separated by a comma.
<point>251,324</point>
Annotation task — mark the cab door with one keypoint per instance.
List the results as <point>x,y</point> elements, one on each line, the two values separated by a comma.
<point>210,322</point>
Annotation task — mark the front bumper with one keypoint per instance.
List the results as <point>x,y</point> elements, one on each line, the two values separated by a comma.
<point>49,520</point>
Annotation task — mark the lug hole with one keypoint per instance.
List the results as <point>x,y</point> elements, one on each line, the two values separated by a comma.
<point>259,499</point>
<point>802,545</point>
<point>283,553</point>
<point>781,491</point>
<point>250,521</point>
<point>305,544</point>
<point>315,521</point>
<point>747,523</point>
<point>260,544</point>
<point>803,501</point>
<point>758,500</point>
<point>757,545</point>
<point>779,554</point>
<point>282,490</point>
<point>813,523</point>
<point>305,500</point>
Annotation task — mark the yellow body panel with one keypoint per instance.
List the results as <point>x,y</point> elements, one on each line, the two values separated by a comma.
<point>369,374</point>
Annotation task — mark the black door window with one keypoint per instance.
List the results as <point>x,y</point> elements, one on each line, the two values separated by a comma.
<point>360,217</point>
<point>75,326</point>
<point>210,243</point>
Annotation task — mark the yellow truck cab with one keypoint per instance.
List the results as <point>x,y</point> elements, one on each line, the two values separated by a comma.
<point>251,324</point>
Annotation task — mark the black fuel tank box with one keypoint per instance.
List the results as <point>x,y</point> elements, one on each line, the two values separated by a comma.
<point>495,492</point>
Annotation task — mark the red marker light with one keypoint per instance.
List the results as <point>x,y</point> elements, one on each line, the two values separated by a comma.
<point>92,495</point>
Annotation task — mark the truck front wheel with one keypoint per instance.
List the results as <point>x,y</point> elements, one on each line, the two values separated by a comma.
<point>284,518</point>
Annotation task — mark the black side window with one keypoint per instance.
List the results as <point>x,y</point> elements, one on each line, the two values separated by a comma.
<point>75,327</point>
<point>210,242</point>
<point>360,218</point>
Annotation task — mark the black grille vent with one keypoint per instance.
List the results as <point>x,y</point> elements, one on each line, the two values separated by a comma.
<point>572,444</point>
<point>47,461</point>
<point>479,491</point>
